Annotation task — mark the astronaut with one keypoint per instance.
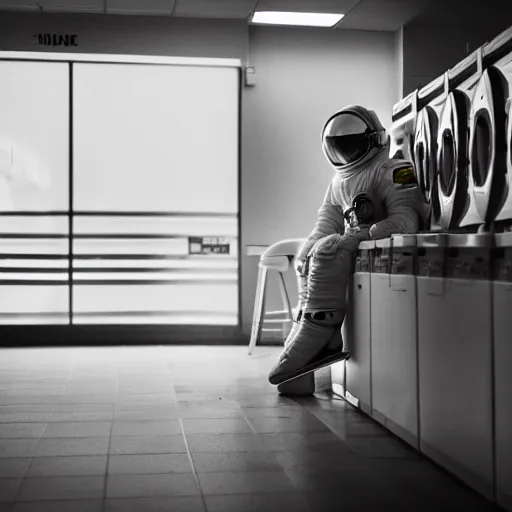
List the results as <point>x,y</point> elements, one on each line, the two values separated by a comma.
<point>370,197</point>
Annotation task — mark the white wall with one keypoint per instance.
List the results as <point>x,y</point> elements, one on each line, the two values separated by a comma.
<point>399,62</point>
<point>303,76</point>
<point>431,49</point>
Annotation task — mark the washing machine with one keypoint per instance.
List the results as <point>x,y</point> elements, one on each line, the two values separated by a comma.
<point>456,207</point>
<point>453,144</point>
<point>497,103</point>
<point>498,55</point>
<point>502,296</point>
<point>430,103</point>
<point>394,375</point>
<point>489,183</point>
<point>455,355</point>
<point>357,333</point>
<point>402,141</point>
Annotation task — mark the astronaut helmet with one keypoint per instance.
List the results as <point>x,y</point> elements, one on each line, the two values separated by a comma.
<point>351,136</point>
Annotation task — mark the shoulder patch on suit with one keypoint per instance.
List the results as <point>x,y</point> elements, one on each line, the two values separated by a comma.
<point>404,176</point>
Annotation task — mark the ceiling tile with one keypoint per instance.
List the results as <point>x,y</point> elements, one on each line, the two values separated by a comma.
<point>141,7</point>
<point>19,5</point>
<point>234,9</point>
<point>319,6</point>
<point>381,15</point>
<point>91,6</point>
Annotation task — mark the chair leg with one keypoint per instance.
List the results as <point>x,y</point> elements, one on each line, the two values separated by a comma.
<point>259,307</point>
<point>286,303</point>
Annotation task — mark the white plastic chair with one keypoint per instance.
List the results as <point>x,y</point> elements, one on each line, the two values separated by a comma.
<point>277,257</point>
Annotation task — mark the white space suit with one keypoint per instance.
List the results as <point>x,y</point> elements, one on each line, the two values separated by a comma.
<point>371,196</point>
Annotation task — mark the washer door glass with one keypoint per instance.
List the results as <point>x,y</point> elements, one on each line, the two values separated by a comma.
<point>481,150</point>
<point>509,142</point>
<point>447,163</point>
<point>421,163</point>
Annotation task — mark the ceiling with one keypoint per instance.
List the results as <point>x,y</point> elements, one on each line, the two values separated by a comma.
<point>381,15</point>
<point>386,15</point>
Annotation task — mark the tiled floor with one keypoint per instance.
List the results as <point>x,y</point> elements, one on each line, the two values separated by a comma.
<point>194,429</point>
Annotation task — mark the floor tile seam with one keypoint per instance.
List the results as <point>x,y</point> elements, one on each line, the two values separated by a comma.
<point>191,461</point>
<point>105,484</point>
<point>185,440</point>
<point>104,501</point>
<point>30,464</point>
<point>18,491</point>
<point>70,373</point>
<point>180,494</point>
<point>55,438</point>
<point>142,474</point>
<point>106,454</point>
<point>103,473</point>
<point>251,426</point>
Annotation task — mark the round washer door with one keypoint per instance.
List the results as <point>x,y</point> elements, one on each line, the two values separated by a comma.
<point>425,157</point>
<point>452,160</point>
<point>487,145</point>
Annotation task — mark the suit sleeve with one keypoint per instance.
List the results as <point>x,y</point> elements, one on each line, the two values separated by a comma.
<point>329,222</point>
<point>398,188</point>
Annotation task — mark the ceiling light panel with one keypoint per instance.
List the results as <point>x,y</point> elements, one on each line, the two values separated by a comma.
<point>316,6</point>
<point>297,19</point>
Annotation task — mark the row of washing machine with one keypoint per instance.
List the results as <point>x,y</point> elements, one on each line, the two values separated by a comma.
<point>433,363</point>
<point>458,132</point>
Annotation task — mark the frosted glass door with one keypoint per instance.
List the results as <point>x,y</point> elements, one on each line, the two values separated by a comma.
<point>155,167</point>
<point>155,138</point>
<point>34,198</point>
